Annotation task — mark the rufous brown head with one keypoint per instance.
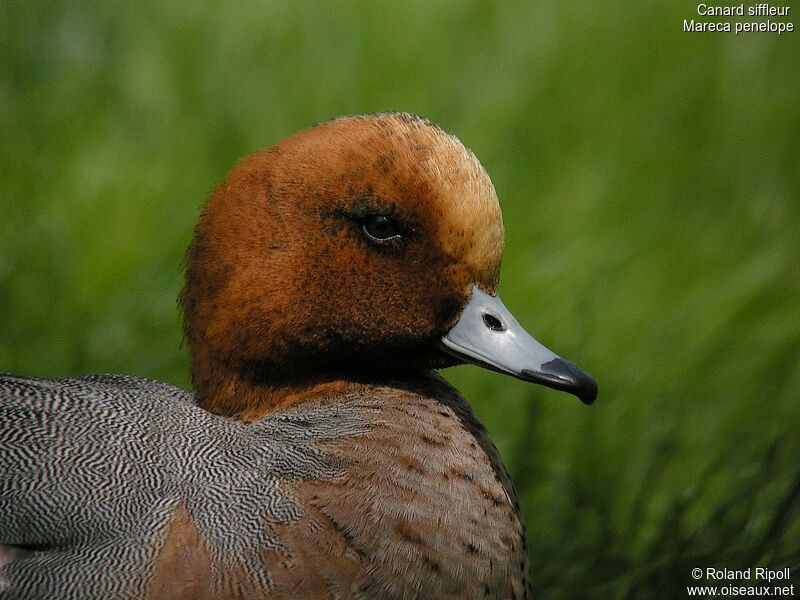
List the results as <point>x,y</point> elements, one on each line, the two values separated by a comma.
<point>352,247</point>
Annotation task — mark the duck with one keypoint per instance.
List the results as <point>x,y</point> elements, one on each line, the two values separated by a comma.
<point>319,453</point>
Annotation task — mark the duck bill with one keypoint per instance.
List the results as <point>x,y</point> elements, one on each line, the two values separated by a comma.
<point>488,335</point>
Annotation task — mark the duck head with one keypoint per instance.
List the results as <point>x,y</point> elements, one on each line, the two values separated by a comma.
<point>362,248</point>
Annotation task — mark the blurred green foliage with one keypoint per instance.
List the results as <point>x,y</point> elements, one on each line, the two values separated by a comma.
<point>649,180</point>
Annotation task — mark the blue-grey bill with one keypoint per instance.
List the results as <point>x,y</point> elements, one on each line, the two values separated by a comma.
<point>487,334</point>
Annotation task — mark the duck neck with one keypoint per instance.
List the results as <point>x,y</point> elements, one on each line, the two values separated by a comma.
<point>248,392</point>
<point>247,395</point>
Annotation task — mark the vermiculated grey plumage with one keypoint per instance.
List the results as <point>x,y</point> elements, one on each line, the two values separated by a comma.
<point>91,469</point>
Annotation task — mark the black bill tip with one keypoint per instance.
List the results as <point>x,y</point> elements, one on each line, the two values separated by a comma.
<point>566,377</point>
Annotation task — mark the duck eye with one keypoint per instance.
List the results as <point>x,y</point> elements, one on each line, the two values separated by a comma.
<point>380,228</point>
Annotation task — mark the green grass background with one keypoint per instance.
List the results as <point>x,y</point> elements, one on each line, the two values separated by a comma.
<point>649,180</point>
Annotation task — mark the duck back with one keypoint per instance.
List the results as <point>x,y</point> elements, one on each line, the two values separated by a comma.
<point>122,487</point>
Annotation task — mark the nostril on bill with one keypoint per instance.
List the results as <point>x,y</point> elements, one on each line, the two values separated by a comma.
<point>493,322</point>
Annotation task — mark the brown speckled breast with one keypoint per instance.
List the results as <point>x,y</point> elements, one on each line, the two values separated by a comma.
<point>423,508</point>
